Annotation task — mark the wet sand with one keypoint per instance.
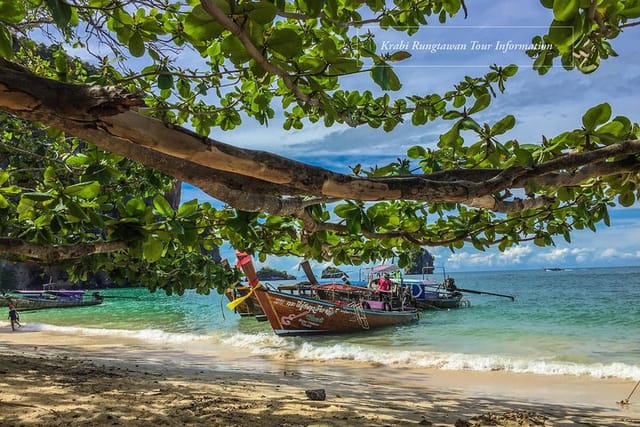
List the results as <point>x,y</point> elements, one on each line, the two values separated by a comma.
<point>54,379</point>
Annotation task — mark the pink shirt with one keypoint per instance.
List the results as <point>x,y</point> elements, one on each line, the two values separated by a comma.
<point>384,284</point>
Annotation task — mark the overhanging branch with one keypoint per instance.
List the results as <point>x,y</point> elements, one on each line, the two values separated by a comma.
<point>257,180</point>
<point>54,253</point>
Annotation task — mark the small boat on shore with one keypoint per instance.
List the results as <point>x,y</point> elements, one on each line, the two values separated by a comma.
<point>26,300</point>
<point>305,313</point>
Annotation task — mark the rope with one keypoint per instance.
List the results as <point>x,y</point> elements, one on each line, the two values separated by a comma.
<point>360,316</point>
<point>626,401</point>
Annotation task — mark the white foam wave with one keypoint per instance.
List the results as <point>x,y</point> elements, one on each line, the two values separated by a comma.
<point>272,346</point>
<point>269,344</point>
<point>155,336</point>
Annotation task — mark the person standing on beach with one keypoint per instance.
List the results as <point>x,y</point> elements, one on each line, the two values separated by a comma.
<point>14,317</point>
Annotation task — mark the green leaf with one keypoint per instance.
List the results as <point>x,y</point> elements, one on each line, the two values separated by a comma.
<point>77,160</point>
<point>416,152</point>
<point>135,207</point>
<point>136,45</point>
<point>262,12</point>
<point>565,10</point>
<point>4,176</point>
<point>76,211</point>
<point>469,124</point>
<point>342,65</point>
<point>187,208</point>
<point>200,26</point>
<point>12,11</point>
<point>385,77</point>
<point>503,125</point>
<point>162,206</point>
<point>345,210</point>
<point>152,248</point>
<point>83,190</point>
<point>613,128</point>
<point>451,115</point>
<point>562,34</point>
<point>510,70</point>
<point>38,196</point>
<point>234,49</point>
<point>399,56</point>
<point>311,8</point>
<point>481,103</point>
<point>596,116</point>
<point>286,42</point>
<point>11,189</point>
<point>60,11</point>
<point>3,202</point>
<point>627,199</point>
<point>6,42</point>
<point>165,81</point>
<point>524,157</point>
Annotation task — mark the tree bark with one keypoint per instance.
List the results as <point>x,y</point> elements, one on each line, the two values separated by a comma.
<point>257,180</point>
<point>54,253</point>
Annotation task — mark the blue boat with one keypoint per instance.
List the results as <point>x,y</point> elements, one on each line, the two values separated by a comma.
<point>26,300</point>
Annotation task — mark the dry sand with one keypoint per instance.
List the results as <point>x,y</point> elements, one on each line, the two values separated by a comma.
<point>52,379</point>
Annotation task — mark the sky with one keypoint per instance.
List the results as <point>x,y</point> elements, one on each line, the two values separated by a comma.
<point>543,105</point>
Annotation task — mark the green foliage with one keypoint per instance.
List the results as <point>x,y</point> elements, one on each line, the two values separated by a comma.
<point>59,190</point>
<point>580,33</point>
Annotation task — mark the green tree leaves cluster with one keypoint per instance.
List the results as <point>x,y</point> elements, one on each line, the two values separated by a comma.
<point>212,64</point>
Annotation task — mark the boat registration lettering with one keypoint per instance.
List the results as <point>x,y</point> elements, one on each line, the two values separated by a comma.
<point>315,309</point>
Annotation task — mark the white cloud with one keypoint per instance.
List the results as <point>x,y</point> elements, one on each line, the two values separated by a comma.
<point>555,256</point>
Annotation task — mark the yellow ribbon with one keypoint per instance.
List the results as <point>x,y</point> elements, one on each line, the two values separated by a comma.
<point>236,302</point>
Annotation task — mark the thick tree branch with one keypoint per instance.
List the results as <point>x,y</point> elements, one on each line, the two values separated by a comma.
<point>54,253</point>
<point>257,180</point>
<point>510,206</point>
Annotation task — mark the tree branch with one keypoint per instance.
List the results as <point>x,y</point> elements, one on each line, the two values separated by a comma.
<point>54,253</point>
<point>243,178</point>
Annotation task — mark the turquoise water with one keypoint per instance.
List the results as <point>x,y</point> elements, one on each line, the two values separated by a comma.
<point>578,322</point>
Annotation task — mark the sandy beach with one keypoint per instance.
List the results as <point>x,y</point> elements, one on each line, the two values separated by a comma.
<point>54,379</point>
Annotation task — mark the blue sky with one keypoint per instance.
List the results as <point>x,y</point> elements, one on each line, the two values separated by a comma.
<point>543,105</point>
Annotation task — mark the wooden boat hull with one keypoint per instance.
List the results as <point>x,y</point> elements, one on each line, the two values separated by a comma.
<point>427,295</point>
<point>444,301</point>
<point>26,304</point>
<point>301,315</point>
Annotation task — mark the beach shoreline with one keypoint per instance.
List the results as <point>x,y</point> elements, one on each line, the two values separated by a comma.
<point>58,379</point>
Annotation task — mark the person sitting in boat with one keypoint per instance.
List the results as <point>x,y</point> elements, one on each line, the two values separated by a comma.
<point>384,283</point>
<point>450,284</point>
<point>14,317</point>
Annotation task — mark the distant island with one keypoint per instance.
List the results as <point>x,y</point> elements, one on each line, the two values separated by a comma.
<point>332,272</point>
<point>267,273</point>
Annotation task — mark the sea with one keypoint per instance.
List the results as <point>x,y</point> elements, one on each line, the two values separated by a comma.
<point>583,322</point>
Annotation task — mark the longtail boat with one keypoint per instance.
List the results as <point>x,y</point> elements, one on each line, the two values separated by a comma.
<point>26,300</point>
<point>428,294</point>
<point>305,314</point>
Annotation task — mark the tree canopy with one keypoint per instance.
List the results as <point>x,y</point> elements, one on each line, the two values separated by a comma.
<point>88,148</point>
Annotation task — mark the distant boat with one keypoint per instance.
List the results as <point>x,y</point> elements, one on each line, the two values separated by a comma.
<point>553,269</point>
<point>425,294</point>
<point>27,300</point>
<point>306,314</point>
